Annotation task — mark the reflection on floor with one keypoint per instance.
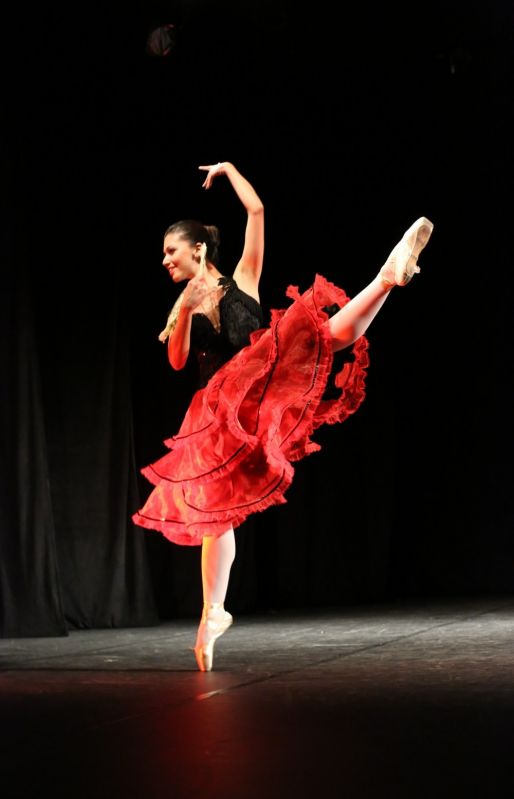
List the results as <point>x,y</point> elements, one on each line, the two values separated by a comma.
<point>400,700</point>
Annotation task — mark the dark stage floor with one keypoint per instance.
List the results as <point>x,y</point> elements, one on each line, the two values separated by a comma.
<point>383,701</point>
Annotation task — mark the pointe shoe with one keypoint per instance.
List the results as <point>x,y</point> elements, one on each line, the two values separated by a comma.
<point>217,621</point>
<point>401,265</point>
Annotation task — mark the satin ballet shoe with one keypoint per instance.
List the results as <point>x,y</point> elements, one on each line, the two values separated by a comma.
<point>401,265</point>
<point>217,621</point>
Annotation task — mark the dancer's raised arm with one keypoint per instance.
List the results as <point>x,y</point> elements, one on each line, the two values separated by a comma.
<point>248,271</point>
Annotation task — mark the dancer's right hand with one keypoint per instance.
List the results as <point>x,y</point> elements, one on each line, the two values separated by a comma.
<point>196,291</point>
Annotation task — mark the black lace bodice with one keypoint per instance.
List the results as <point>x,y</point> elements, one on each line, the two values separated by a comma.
<point>240,315</point>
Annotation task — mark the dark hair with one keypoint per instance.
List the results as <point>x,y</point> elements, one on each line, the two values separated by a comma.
<point>194,232</point>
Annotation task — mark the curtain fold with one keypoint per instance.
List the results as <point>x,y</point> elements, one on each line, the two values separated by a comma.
<point>30,588</point>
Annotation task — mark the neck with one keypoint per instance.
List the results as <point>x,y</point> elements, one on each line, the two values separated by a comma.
<point>211,273</point>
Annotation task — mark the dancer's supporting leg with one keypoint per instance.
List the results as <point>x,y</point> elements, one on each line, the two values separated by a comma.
<point>218,554</point>
<point>352,321</point>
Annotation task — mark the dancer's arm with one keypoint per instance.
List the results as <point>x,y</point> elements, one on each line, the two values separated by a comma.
<point>179,341</point>
<point>248,271</point>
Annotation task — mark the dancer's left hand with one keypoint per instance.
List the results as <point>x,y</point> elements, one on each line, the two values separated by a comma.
<point>213,170</point>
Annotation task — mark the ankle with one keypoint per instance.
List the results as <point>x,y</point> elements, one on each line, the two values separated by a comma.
<point>212,611</point>
<point>213,607</point>
<point>385,279</point>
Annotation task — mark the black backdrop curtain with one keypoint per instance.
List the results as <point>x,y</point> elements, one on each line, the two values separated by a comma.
<point>30,589</point>
<point>411,496</point>
<point>71,555</point>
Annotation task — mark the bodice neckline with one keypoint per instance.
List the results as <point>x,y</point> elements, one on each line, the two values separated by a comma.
<point>226,282</point>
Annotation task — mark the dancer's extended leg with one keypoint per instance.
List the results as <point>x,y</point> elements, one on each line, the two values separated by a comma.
<point>218,554</point>
<point>352,321</point>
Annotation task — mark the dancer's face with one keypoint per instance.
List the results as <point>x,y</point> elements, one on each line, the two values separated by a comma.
<point>180,258</point>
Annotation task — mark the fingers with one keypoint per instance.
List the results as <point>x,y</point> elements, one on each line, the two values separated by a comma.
<point>207,182</point>
<point>203,257</point>
<point>212,170</point>
<point>208,167</point>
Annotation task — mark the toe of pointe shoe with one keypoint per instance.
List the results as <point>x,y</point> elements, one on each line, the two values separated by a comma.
<point>204,656</point>
<point>417,236</point>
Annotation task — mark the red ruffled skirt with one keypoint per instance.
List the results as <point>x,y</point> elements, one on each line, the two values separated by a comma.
<point>233,453</point>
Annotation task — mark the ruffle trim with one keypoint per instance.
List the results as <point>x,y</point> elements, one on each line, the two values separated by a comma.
<point>220,416</point>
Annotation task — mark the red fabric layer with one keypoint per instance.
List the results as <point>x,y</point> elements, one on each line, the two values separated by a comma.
<point>234,451</point>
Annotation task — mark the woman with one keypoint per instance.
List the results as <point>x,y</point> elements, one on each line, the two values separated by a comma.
<point>262,391</point>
